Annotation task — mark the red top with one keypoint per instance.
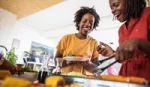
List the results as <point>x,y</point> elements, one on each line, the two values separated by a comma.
<point>138,66</point>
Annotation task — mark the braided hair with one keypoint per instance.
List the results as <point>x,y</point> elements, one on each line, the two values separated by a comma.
<point>134,8</point>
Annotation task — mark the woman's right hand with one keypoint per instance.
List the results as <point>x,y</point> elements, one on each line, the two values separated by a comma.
<point>104,49</point>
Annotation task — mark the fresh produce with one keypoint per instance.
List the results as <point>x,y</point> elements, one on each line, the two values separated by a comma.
<point>54,81</point>
<point>4,74</point>
<point>124,79</point>
<point>80,55</point>
<point>15,82</point>
<point>75,85</point>
<point>51,81</point>
<point>74,74</point>
<point>73,55</point>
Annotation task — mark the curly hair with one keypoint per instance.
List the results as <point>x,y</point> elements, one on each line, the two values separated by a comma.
<point>84,10</point>
<point>134,8</point>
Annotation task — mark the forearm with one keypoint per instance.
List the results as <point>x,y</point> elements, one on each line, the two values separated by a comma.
<point>144,46</point>
<point>58,55</point>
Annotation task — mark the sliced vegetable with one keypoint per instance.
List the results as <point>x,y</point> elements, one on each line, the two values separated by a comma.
<point>73,55</point>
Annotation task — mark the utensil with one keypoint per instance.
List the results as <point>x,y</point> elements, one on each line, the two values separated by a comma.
<point>98,71</point>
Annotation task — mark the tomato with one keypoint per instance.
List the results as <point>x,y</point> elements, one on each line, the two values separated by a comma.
<point>80,56</point>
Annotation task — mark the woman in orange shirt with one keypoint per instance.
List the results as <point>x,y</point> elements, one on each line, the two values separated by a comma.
<point>134,37</point>
<point>80,44</point>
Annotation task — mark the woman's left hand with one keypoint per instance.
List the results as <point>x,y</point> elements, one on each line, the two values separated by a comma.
<point>126,50</point>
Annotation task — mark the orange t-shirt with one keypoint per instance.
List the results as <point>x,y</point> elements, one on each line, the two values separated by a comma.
<point>71,45</point>
<point>138,66</point>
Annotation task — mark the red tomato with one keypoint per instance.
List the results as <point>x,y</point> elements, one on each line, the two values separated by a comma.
<point>80,56</point>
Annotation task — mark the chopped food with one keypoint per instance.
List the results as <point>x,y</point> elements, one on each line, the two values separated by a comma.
<point>73,55</point>
<point>75,85</point>
<point>36,83</point>
<point>124,79</point>
<point>114,78</point>
<point>80,55</point>
<point>74,74</point>
<point>55,81</point>
<point>136,79</point>
<point>15,82</point>
<point>4,74</point>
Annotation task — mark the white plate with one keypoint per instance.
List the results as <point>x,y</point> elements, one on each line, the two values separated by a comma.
<point>75,58</point>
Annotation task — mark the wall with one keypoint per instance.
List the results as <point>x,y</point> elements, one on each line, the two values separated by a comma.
<point>7,24</point>
<point>10,29</point>
<point>107,36</point>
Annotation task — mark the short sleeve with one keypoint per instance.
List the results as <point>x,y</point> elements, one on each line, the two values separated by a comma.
<point>95,55</point>
<point>62,45</point>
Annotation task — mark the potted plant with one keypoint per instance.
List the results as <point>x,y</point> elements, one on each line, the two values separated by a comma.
<point>11,56</point>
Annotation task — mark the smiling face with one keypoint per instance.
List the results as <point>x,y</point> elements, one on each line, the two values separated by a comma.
<point>86,24</point>
<point>118,9</point>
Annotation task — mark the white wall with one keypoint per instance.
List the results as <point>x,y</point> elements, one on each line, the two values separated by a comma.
<point>107,36</point>
<point>10,29</point>
<point>26,35</point>
<point>7,25</point>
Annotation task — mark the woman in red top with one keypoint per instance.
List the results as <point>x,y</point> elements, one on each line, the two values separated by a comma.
<point>134,37</point>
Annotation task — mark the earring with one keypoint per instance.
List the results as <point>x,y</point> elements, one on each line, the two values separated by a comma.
<point>114,18</point>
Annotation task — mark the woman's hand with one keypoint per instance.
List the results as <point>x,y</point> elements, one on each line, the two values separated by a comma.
<point>126,50</point>
<point>104,49</point>
<point>89,65</point>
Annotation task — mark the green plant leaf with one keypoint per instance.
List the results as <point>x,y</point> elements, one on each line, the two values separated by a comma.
<point>11,56</point>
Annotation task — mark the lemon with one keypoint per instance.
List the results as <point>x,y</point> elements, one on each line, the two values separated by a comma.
<point>75,85</point>
<point>76,74</point>
<point>15,82</point>
<point>54,81</point>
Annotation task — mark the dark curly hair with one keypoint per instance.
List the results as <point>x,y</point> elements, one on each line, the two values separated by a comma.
<point>134,8</point>
<point>84,10</point>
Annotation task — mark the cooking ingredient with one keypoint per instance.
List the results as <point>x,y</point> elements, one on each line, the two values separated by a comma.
<point>75,85</point>
<point>76,74</point>
<point>124,79</point>
<point>15,82</point>
<point>4,74</point>
<point>54,81</point>
<point>137,80</point>
<point>114,78</point>
<point>36,83</point>
<point>73,55</point>
<point>80,55</point>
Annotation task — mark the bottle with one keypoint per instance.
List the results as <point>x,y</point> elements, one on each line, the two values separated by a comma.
<point>43,72</point>
<point>58,65</point>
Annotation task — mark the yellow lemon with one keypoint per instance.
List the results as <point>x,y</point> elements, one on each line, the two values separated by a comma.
<point>15,82</point>
<point>4,74</point>
<point>54,81</point>
<point>75,85</point>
